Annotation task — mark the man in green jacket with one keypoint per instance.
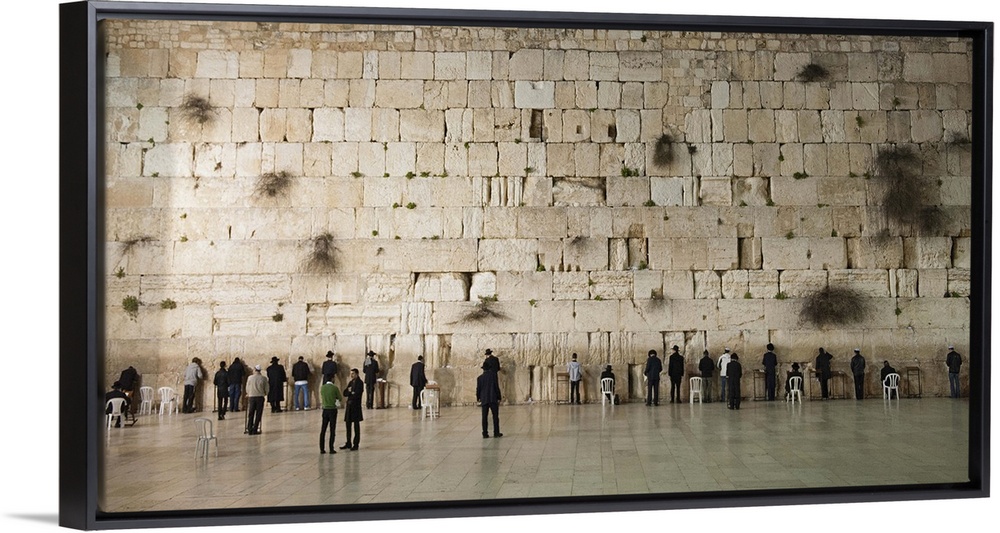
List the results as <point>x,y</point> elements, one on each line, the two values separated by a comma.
<point>330,398</point>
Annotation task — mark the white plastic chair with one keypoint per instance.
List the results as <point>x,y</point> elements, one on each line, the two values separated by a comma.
<point>117,409</point>
<point>607,390</point>
<point>890,384</point>
<point>795,390</point>
<point>205,437</point>
<point>429,403</point>
<point>695,388</point>
<point>168,397</point>
<point>146,400</point>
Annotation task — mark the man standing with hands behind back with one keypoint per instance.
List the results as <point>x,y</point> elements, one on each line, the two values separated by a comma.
<point>353,415</point>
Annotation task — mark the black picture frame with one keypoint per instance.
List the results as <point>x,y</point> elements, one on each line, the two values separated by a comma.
<point>82,261</point>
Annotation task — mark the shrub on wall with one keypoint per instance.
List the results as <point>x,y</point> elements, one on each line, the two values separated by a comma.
<point>835,306</point>
<point>320,259</point>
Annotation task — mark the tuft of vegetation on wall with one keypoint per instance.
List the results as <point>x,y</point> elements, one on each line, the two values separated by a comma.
<point>130,304</point>
<point>663,152</point>
<point>320,259</point>
<point>197,109</point>
<point>273,184</point>
<point>897,170</point>
<point>813,72</point>
<point>835,306</point>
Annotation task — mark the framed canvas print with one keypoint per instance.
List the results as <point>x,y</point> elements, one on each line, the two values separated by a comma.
<point>350,263</point>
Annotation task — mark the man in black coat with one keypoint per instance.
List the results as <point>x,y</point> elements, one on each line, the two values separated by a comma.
<point>330,367</point>
<point>954,363</point>
<point>417,380</point>
<point>652,372</point>
<point>370,370</point>
<point>858,369</point>
<point>128,380</point>
<point>886,370</point>
<point>221,382</point>
<point>707,368</point>
<point>788,380</point>
<point>300,376</point>
<point>236,373</point>
<point>491,362</point>
<point>116,392</point>
<point>675,369</point>
<point>824,373</point>
<point>488,396</point>
<point>276,379</point>
<point>770,363</point>
<point>353,415</point>
<point>734,371</point>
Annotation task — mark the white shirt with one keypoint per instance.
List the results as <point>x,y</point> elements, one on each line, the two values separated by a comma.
<point>723,363</point>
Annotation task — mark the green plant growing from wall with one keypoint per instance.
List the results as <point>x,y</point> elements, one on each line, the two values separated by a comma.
<point>197,109</point>
<point>272,184</point>
<point>649,203</point>
<point>357,174</point>
<point>800,175</point>
<point>629,172</point>
<point>835,306</point>
<point>860,121</point>
<point>120,273</point>
<point>320,259</point>
<point>663,151</point>
<point>897,170</point>
<point>167,303</point>
<point>813,72</point>
<point>483,311</point>
<point>747,295</point>
<point>277,317</point>
<point>780,296</point>
<point>411,205</point>
<point>130,304</point>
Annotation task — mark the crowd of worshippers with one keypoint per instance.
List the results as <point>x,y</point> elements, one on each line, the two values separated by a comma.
<point>270,384</point>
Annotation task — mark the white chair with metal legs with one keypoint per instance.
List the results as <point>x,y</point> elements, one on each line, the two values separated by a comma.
<point>117,406</point>
<point>794,389</point>
<point>890,384</point>
<point>167,398</point>
<point>429,403</point>
<point>607,390</point>
<point>145,400</point>
<point>694,387</point>
<point>206,435</point>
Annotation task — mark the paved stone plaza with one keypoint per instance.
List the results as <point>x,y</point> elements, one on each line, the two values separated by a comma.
<point>546,450</point>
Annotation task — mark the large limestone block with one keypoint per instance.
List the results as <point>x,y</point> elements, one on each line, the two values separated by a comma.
<point>399,94</point>
<point>421,125</point>
<point>802,283</point>
<point>570,286</point>
<point>449,65</point>
<point>736,284</point>
<point>552,317</point>
<point>348,319</point>
<point>534,94</point>
<point>670,191</point>
<point>611,285</point>
<point>647,284</point>
<point>875,252</point>
<point>508,254</point>
<point>827,253</point>
<point>742,314</point>
<point>169,160</point>
<point>604,66</point>
<point>627,191</point>
<point>586,253</point>
<point>386,287</point>
<point>780,253</point>
<point>484,317</point>
<point>524,286</point>
<point>932,283</point>
<point>645,315</point>
<point>484,285</point>
<point>640,66</point>
<point>429,255</point>
<point>707,285</point>
<point>870,283</point>
<point>696,315</point>
<point>928,252</point>
<point>715,191</point>
<point>959,282</point>
<point>934,312</point>
<point>526,64</point>
<point>597,316</point>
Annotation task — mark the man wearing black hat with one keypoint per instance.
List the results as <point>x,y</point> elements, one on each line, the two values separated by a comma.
<point>824,372</point>
<point>352,414</point>
<point>858,369</point>
<point>652,373</point>
<point>488,396</point>
<point>221,382</point>
<point>707,368</point>
<point>675,369</point>
<point>795,373</point>
<point>330,367</point>
<point>734,372</point>
<point>770,363</point>
<point>276,379</point>
<point>417,380</point>
<point>954,363</point>
<point>370,369</point>
<point>116,392</point>
<point>491,362</point>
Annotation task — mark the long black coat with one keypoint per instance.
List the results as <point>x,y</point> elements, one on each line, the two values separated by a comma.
<point>488,388</point>
<point>236,371</point>
<point>706,366</point>
<point>823,365</point>
<point>675,365</point>
<point>417,378</point>
<point>371,372</point>
<point>353,392</point>
<point>329,368</point>
<point>653,369</point>
<point>276,379</point>
<point>770,361</point>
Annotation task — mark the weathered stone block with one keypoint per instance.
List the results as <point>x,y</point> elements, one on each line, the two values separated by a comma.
<point>627,191</point>
<point>570,285</point>
<point>508,254</point>
<point>524,286</point>
<point>421,125</point>
<point>526,64</point>
<point>715,191</point>
<point>611,285</point>
<point>870,283</point>
<point>596,316</point>
<point>707,285</point>
<point>534,94</point>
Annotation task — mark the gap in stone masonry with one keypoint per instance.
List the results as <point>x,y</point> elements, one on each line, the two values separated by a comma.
<point>537,125</point>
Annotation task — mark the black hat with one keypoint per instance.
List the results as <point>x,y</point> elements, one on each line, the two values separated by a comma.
<point>609,367</point>
<point>676,348</point>
<point>370,353</point>
<point>652,352</point>
<point>770,346</point>
<point>329,353</point>
<point>795,366</point>
<point>274,359</point>
<point>489,351</point>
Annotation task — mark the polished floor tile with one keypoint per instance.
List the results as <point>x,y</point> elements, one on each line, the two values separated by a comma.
<point>547,450</point>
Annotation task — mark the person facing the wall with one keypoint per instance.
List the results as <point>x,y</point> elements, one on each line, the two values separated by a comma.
<point>221,382</point>
<point>301,373</point>
<point>575,375</point>
<point>418,380</point>
<point>276,379</point>
<point>488,396</point>
<point>734,372</point>
<point>770,362</point>
<point>858,369</point>
<point>707,368</point>
<point>723,365</point>
<point>954,363</point>
<point>257,388</point>
<point>675,369</point>
<point>191,376</point>
<point>652,372</point>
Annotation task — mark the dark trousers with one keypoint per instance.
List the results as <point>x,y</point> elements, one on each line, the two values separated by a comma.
<point>329,419</point>
<point>653,392</point>
<point>369,394</point>
<point>188,399</point>
<point>574,392</point>
<point>255,411</point>
<point>234,397</point>
<point>416,397</point>
<point>859,386</point>
<point>495,407</point>
<point>675,388</point>
<point>356,432</point>
<point>276,406</point>
<point>222,395</point>
<point>824,386</point>
<point>770,382</point>
<point>734,393</point>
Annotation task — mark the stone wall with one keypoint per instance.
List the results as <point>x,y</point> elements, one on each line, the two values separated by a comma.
<point>534,191</point>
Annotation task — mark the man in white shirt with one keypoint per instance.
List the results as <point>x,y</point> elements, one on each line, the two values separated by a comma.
<point>723,363</point>
<point>575,375</point>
